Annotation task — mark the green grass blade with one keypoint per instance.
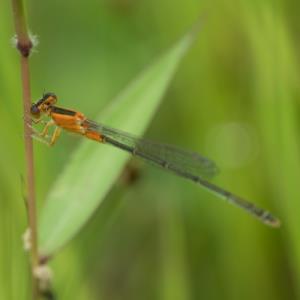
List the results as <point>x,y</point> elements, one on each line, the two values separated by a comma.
<point>93,168</point>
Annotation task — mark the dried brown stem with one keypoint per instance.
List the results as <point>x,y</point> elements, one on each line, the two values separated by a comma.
<point>24,46</point>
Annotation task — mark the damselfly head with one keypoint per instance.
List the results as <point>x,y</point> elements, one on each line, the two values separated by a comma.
<point>43,105</point>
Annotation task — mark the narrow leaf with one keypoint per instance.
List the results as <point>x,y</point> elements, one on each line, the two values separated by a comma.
<point>93,168</point>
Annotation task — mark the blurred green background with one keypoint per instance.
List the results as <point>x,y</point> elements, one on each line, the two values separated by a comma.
<point>234,99</point>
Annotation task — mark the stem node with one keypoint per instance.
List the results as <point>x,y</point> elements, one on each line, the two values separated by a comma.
<point>24,47</point>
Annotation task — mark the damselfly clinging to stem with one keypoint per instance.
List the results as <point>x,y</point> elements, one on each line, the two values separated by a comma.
<point>183,163</point>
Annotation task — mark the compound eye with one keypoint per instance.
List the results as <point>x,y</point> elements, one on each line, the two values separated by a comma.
<point>34,110</point>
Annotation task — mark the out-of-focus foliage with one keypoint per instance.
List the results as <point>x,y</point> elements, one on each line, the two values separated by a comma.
<point>234,99</point>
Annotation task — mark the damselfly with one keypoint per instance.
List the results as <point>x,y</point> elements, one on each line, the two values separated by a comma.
<point>189,165</point>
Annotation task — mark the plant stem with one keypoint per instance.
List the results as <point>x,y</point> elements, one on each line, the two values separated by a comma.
<point>24,46</point>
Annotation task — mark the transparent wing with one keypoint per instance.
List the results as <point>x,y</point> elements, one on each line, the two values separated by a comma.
<point>167,156</point>
<point>184,163</point>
